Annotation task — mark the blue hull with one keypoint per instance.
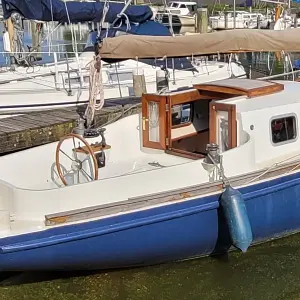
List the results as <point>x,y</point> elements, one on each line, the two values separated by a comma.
<point>157,235</point>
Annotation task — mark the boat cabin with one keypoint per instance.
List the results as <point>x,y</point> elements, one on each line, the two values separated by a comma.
<point>182,8</point>
<point>182,123</point>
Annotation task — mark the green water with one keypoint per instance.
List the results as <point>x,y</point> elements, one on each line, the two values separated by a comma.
<point>267,271</point>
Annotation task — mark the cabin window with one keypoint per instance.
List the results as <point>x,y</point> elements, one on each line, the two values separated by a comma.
<point>283,129</point>
<point>181,114</point>
<point>182,6</point>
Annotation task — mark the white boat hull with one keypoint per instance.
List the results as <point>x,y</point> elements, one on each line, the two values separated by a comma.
<point>41,93</point>
<point>187,20</point>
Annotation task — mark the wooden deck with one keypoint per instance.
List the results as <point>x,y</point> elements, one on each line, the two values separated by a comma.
<point>42,127</point>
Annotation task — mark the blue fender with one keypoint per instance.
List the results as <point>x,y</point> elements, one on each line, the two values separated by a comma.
<point>235,211</point>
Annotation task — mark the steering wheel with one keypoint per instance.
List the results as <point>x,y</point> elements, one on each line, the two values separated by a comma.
<point>77,157</point>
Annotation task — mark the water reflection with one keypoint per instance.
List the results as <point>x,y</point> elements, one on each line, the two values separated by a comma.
<point>268,271</point>
<point>58,40</point>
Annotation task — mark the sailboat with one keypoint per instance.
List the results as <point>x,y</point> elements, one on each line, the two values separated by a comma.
<point>198,172</point>
<point>69,81</point>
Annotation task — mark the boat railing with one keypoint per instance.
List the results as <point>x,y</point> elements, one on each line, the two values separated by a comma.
<point>285,74</point>
<point>39,52</point>
<point>59,58</point>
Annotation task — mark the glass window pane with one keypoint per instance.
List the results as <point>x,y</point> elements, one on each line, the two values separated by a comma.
<point>181,114</point>
<point>283,129</point>
<point>153,111</point>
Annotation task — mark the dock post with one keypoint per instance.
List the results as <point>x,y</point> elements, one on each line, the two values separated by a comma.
<point>36,47</point>
<point>258,22</point>
<point>139,82</point>
<point>226,20</point>
<point>201,20</point>
<point>248,68</point>
<point>295,21</point>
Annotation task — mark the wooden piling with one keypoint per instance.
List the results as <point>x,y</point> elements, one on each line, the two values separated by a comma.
<point>226,20</point>
<point>295,21</point>
<point>139,82</point>
<point>258,22</point>
<point>202,20</point>
<point>35,40</point>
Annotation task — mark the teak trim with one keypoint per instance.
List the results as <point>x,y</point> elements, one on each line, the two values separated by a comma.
<point>95,148</point>
<point>184,97</point>
<point>232,124</point>
<point>273,87</point>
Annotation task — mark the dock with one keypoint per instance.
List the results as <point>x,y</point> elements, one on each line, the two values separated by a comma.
<point>41,127</point>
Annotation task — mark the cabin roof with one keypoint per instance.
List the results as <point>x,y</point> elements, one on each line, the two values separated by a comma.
<point>289,95</point>
<point>246,94</point>
<point>234,86</point>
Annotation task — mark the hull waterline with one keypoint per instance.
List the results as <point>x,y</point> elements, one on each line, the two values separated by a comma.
<point>171,232</point>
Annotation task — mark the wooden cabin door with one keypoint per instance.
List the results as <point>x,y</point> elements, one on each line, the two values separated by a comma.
<point>154,121</point>
<point>222,125</point>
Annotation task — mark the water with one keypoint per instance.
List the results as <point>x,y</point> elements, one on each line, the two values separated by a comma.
<point>59,41</point>
<point>267,271</point>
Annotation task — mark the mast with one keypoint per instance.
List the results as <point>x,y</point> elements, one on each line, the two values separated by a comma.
<point>234,17</point>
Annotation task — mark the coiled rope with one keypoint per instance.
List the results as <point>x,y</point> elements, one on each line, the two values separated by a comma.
<point>96,91</point>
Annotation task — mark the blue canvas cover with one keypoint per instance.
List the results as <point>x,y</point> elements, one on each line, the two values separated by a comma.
<point>78,11</point>
<point>147,28</point>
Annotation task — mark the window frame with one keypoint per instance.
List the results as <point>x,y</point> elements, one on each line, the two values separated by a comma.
<point>287,115</point>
